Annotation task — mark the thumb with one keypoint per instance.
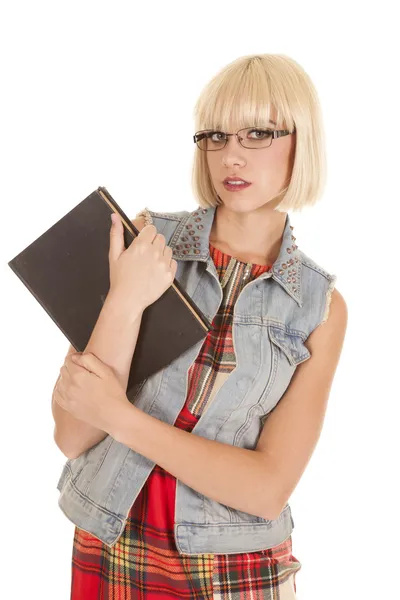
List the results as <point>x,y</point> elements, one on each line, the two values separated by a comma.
<point>117,245</point>
<point>90,362</point>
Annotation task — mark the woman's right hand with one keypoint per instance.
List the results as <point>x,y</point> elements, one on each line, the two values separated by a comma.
<point>140,274</point>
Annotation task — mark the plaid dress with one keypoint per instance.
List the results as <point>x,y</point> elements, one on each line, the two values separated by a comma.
<point>145,563</point>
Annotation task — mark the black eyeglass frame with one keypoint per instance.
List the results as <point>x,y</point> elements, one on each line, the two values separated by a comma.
<point>276,133</point>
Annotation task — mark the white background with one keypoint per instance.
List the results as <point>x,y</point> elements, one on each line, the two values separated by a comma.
<point>102,94</point>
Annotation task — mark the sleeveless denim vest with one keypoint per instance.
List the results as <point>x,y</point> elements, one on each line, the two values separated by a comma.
<point>273,316</point>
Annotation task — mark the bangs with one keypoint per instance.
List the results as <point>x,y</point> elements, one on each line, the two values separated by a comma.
<point>249,92</point>
<point>244,96</point>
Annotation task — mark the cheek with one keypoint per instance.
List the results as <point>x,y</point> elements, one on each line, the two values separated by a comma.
<point>266,169</point>
<point>211,163</point>
<point>272,167</point>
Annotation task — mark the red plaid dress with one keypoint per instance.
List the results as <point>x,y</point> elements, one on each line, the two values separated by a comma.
<point>145,563</point>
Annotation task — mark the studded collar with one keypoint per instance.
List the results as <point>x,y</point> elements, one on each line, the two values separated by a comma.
<point>191,242</point>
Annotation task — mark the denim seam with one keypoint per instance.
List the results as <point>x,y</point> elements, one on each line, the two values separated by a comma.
<point>102,508</point>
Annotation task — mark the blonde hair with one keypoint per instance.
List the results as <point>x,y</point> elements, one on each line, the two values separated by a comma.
<point>242,94</point>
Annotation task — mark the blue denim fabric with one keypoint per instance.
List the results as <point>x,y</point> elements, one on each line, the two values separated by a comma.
<point>273,317</point>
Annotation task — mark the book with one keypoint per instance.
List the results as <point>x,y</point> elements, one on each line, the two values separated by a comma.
<point>67,270</point>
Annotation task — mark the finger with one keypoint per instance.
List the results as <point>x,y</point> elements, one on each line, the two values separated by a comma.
<point>60,388</point>
<point>90,362</point>
<point>67,368</point>
<point>168,253</point>
<point>148,233</point>
<point>159,242</point>
<point>117,244</point>
<point>60,397</point>
<point>174,267</point>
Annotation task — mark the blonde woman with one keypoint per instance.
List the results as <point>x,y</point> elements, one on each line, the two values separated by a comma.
<point>180,488</point>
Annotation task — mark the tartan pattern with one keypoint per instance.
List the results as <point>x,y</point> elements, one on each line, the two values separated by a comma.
<point>145,563</point>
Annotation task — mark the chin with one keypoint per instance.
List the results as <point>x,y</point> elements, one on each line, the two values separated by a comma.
<point>239,203</point>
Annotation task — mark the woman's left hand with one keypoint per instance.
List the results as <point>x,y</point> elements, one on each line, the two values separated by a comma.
<point>90,391</point>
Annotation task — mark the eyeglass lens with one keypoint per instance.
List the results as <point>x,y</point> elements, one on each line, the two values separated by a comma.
<point>251,137</point>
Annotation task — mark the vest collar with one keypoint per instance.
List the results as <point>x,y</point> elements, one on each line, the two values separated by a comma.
<point>191,242</point>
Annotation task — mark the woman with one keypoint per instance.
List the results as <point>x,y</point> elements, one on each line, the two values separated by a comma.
<point>162,510</point>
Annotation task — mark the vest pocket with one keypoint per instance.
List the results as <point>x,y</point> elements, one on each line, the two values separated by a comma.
<point>290,342</point>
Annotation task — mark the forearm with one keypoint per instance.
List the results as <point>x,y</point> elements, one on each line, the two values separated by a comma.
<point>236,477</point>
<point>113,341</point>
<point>114,336</point>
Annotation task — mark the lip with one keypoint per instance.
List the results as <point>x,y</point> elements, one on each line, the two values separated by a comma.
<point>236,188</point>
<point>235,179</point>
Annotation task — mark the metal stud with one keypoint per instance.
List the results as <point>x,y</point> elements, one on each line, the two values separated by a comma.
<point>195,214</point>
<point>197,220</point>
<point>281,271</point>
<point>196,251</point>
<point>188,245</point>
<point>188,226</point>
<point>204,211</point>
<point>291,227</point>
<point>195,238</point>
<point>179,247</point>
<point>289,250</point>
<point>197,245</point>
<point>185,251</point>
<point>184,239</point>
<point>192,232</point>
<point>200,226</point>
<point>284,266</point>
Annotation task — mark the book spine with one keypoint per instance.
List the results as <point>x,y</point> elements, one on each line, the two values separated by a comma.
<point>106,197</point>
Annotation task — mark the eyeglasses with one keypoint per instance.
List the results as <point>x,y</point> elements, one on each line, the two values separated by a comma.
<point>250,137</point>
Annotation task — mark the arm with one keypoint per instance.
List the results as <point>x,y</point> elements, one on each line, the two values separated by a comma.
<point>113,341</point>
<point>233,476</point>
<point>292,430</point>
<point>256,481</point>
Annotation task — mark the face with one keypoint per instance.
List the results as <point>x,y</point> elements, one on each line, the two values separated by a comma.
<point>267,169</point>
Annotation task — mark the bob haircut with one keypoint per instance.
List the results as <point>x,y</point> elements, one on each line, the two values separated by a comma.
<point>244,94</point>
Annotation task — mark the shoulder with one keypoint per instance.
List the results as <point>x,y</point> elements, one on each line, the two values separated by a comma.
<point>311,267</point>
<point>321,290</point>
<point>331,326</point>
<point>326,341</point>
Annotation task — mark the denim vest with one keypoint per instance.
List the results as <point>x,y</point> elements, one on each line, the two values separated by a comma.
<point>274,314</point>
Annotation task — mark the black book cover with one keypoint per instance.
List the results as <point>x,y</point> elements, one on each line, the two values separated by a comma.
<point>67,271</point>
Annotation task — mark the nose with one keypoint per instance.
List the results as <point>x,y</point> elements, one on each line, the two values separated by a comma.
<point>233,153</point>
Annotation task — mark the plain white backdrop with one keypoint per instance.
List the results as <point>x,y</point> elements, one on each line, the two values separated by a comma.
<point>96,93</point>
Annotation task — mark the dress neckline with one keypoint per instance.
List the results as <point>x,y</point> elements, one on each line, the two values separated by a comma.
<point>220,254</point>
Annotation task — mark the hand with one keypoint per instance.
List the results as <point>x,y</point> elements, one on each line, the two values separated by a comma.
<point>140,274</point>
<point>90,391</point>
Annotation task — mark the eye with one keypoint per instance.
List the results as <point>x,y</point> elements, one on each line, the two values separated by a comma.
<point>260,134</point>
<point>216,136</point>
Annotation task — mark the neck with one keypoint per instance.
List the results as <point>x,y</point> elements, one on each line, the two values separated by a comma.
<point>254,236</point>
